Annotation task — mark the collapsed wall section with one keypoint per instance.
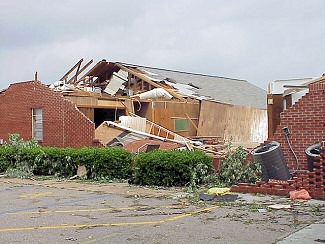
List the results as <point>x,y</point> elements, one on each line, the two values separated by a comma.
<point>306,123</point>
<point>63,124</point>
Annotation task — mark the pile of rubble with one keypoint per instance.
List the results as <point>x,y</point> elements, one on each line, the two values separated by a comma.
<point>312,181</point>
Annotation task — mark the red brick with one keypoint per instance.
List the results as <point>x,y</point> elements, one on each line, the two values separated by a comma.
<point>63,124</point>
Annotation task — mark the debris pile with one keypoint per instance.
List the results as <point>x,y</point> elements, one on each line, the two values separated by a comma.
<point>313,182</point>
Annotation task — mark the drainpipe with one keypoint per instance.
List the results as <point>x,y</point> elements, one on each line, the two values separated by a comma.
<point>286,134</point>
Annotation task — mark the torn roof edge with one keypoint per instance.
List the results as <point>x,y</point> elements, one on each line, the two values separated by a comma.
<point>177,71</point>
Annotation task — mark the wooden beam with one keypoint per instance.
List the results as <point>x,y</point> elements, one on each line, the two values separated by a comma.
<point>72,69</point>
<point>147,79</point>
<point>135,82</point>
<point>79,72</point>
<point>89,71</point>
<point>100,106</point>
<point>129,81</point>
<point>197,129</point>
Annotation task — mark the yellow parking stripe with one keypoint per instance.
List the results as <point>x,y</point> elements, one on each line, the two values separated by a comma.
<point>34,195</point>
<point>94,210</point>
<point>110,224</point>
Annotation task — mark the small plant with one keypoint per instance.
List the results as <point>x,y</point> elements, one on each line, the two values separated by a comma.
<point>199,174</point>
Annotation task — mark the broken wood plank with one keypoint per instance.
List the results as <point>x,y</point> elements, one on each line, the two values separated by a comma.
<point>148,80</point>
<point>197,129</point>
<point>72,69</point>
<point>79,72</point>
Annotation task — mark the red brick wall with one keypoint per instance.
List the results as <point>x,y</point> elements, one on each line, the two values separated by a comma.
<point>63,124</point>
<point>306,122</point>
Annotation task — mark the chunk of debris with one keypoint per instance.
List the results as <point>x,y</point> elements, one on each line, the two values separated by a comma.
<point>279,206</point>
<point>299,194</point>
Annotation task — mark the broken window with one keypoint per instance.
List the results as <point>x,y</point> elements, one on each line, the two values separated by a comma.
<point>37,124</point>
<point>181,125</point>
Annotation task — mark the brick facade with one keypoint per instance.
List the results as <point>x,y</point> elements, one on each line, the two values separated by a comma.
<point>306,122</point>
<point>63,124</point>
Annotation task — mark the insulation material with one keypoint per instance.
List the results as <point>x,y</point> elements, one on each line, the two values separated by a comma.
<point>115,83</point>
<point>155,93</point>
<point>135,123</point>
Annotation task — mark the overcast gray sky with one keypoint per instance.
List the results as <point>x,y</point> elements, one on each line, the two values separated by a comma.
<point>255,40</point>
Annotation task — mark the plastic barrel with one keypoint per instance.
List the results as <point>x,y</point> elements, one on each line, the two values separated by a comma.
<point>312,152</point>
<point>271,158</point>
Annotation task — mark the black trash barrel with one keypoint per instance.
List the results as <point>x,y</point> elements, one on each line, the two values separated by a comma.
<point>312,152</point>
<point>271,158</point>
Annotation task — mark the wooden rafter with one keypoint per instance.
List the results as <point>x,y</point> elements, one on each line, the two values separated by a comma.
<point>72,69</point>
<point>79,72</point>
<point>148,80</point>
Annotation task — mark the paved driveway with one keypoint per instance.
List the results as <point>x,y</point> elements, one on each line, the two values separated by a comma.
<point>50,213</point>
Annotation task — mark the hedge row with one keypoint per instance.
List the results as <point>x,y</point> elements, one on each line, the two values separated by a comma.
<point>161,168</point>
<point>101,163</point>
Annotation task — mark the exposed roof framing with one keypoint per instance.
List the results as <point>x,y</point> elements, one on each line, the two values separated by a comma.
<point>72,69</point>
<point>79,71</point>
<point>148,80</point>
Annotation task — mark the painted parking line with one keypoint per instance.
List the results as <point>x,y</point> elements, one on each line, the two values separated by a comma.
<point>35,195</point>
<point>139,208</point>
<point>110,224</point>
<point>55,204</point>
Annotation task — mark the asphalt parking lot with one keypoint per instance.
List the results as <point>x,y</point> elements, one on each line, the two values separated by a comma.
<point>36,213</point>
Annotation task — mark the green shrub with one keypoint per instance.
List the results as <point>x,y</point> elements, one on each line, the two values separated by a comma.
<point>5,155</point>
<point>19,156</point>
<point>55,161</point>
<point>105,163</point>
<point>235,168</point>
<point>25,159</point>
<point>171,168</point>
<point>101,163</point>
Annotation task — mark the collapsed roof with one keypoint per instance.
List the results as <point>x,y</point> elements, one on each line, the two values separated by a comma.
<point>120,79</point>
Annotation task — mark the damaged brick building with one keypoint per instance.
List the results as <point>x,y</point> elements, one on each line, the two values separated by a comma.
<point>33,110</point>
<point>70,111</point>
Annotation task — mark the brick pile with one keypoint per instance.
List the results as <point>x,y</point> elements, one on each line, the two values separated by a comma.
<point>313,182</point>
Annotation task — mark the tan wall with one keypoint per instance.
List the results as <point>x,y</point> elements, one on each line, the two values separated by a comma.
<point>105,134</point>
<point>165,113</point>
<point>243,124</point>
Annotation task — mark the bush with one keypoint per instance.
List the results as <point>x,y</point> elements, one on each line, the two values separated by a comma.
<point>5,155</point>
<point>101,163</point>
<point>25,159</point>
<point>17,156</point>
<point>235,168</point>
<point>55,161</point>
<point>105,163</point>
<point>171,168</point>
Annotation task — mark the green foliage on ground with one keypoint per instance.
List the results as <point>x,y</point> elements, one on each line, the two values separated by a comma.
<point>235,168</point>
<point>171,168</point>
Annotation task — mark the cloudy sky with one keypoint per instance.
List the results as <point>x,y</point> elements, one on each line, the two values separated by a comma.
<point>255,40</point>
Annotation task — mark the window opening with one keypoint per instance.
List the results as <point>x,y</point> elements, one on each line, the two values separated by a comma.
<point>37,125</point>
